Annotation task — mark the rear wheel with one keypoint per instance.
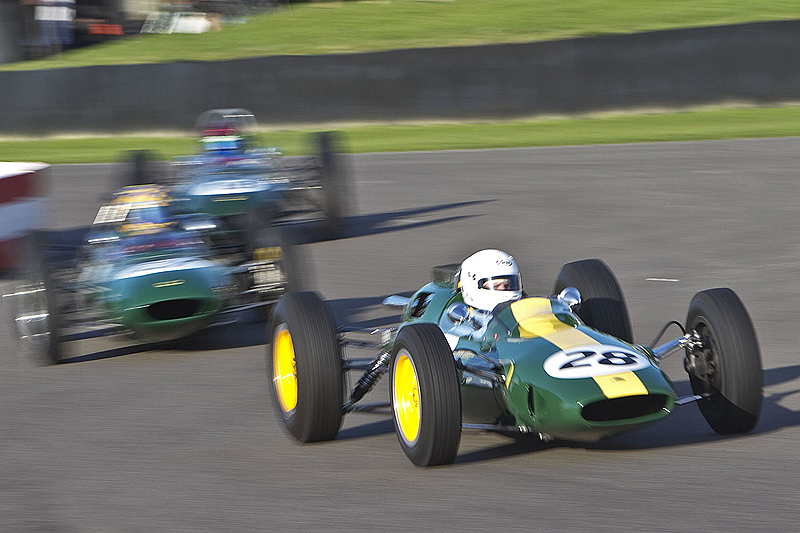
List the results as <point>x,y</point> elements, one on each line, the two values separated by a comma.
<point>336,193</point>
<point>139,170</point>
<point>306,367</point>
<point>34,305</point>
<point>726,370</point>
<point>279,265</point>
<point>603,305</point>
<point>445,274</point>
<point>425,395</point>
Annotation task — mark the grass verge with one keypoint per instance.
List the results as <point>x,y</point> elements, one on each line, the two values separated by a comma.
<point>645,127</point>
<point>346,27</point>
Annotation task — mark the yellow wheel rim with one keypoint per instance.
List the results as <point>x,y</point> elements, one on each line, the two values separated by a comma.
<point>284,371</point>
<point>407,404</point>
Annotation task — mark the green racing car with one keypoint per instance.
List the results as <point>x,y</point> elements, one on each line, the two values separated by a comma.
<point>561,367</point>
<point>143,272</point>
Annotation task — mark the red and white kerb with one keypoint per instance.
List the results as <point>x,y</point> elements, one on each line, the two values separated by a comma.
<point>22,207</point>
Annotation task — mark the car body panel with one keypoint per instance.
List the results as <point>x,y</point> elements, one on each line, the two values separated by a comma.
<point>559,377</point>
<point>227,192</point>
<point>167,299</point>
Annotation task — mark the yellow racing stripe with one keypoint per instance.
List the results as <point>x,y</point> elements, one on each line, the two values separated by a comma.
<point>619,385</point>
<point>536,319</point>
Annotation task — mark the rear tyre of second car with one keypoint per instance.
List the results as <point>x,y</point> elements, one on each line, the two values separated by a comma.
<point>278,266</point>
<point>337,196</point>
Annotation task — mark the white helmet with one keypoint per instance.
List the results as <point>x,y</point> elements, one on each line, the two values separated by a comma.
<point>488,278</point>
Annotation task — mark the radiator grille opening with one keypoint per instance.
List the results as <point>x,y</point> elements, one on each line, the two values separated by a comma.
<point>173,309</point>
<point>623,408</point>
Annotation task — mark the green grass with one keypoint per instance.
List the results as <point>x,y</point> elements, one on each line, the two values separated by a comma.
<point>344,27</point>
<point>684,126</point>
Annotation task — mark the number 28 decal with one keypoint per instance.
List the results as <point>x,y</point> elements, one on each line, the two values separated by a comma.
<point>593,360</point>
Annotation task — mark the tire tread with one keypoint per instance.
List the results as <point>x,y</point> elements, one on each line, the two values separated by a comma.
<point>742,376</point>
<point>318,414</point>
<point>603,304</point>
<point>440,434</point>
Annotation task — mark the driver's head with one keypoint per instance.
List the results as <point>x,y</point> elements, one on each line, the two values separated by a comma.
<point>223,141</point>
<point>145,208</point>
<point>488,278</point>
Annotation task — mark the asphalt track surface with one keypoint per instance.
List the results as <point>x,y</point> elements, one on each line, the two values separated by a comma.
<point>185,438</point>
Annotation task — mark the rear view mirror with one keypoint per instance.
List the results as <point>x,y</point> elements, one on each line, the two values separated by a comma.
<point>396,301</point>
<point>571,298</point>
<point>458,313</point>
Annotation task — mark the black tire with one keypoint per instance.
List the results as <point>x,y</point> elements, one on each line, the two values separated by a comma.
<point>37,295</point>
<point>729,370</point>
<point>445,274</point>
<point>603,305</point>
<point>314,363</point>
<point>279,245</point>
<point>337,200</point>
<point>139,168</point>
<point>432,433</point>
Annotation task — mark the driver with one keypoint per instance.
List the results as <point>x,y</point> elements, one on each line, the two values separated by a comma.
<point>143,209</point>
<point>488,278</point>
<point>223,141</point>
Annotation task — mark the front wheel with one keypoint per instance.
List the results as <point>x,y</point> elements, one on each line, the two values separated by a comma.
<point>425,395</point>
<point>305,363</point>
<point>726,368</point>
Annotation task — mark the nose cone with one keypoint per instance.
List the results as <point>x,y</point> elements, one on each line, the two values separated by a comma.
<point>590,392</point>
<point>169,299</point>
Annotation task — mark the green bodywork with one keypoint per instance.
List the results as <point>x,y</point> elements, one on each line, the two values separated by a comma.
<point>135,299</point>
<point>160,295</point>
<point>267,203</point>
<point>234,189</point>
<point>504,383</point>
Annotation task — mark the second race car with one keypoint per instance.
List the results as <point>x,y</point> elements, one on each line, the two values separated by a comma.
<point>246,185</point>
<point>144,271</point>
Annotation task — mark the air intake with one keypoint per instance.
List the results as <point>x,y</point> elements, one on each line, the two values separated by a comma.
<point>624,408</point>
<point>173,309</point>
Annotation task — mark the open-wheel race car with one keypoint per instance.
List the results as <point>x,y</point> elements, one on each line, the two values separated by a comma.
<point>143,271</point>
<point>249,186</point>
<point>558,367</point>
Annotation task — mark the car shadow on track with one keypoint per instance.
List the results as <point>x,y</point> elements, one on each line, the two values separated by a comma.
<point>513,448</point>
<point>247,330</point>
<point>310,231</point>
<point>371,429</point>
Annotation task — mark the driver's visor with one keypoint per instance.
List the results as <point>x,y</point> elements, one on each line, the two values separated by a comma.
<point>223,142</point>
<point>501,283</point>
